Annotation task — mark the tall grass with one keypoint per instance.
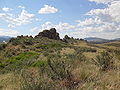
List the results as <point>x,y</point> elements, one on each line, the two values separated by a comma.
<point>104,61</point>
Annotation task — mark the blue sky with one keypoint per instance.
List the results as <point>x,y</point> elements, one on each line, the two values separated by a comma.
<point>77,18</point>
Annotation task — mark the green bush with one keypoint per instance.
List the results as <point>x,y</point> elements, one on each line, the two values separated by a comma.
<point>2,65</point>
<point>50,45</point>
<point>23,56</point>
<point>104,61</point>
<point>19,61</point>
<point>113,44</point>
<point>16,42</point>
<point>23,40</point>
<point>31,82</point>
<point>85,49</point>
<point>2,46</point>
<point>40,64</point>
<point>78,56</point>
<point>117,51</point>
<point>61,70</point>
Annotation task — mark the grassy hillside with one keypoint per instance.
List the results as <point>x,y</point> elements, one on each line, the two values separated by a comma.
<point>28,63</point>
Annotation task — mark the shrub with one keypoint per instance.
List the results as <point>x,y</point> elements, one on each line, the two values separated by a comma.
<point>40,64</point>
<point>117,52</point>
<point>18,62</point>
<point>2,46</point>
<point>22,56</point>
<point>33,80</point>
<point>113,44</point>
<point>2,65</point>
<point>80,57</point>
<point>51,45</point>
<point>1,87</point>
<point>104,61</point>
<point>16,42</point>
<point>76,57</point>
<point>61,70</point>
<point>85,49</point>
<point>23,40</point>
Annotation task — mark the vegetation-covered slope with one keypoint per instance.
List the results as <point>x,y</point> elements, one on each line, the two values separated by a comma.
<point>49,63</point>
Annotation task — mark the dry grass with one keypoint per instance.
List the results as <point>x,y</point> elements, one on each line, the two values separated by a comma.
<point>9,82</point>
<point>85,74</point>
<point>90,55</point>
<point>67,51</point>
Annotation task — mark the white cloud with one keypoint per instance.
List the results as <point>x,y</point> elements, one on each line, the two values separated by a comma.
<point>60,26</point>
<point>47,10</point>
<point>109,14</point>
<point>23,18</point>
<point>22,7</point>
<point>4,32</point>
<point>102,22</point>
<point>2,14</point>
<point>37,19</point>
<point>5,9</point>
<point>64,26</point>
<point>11,26</point>
<point>35,29</point>
<point>103,1</point>
<point>89,22</point>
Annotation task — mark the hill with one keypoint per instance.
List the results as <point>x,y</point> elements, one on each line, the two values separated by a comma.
<point>116,39</point>
<point>4,39</point>
<point>46,62</point>
<point>96,40</point>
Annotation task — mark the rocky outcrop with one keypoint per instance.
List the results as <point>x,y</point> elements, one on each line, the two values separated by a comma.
<point>66,37</point>
<point>51,34</point>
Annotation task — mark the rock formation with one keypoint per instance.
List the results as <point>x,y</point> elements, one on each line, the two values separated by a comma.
<point>51,34</point>
<point>66,37</point>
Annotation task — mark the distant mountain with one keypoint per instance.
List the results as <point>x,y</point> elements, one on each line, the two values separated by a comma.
<point>116,39</point>
<point>94,39</point>
<point>97,40</point>
<point>100,40</point>
<point>4,38</point>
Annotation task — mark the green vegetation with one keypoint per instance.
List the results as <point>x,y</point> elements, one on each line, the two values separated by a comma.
<point>104,61</point>
<point>17,62</point>
<point>41,63</point>
<point>114,44</point>
<point>2,46</point>
<point>23,40</point>
<point>51,45</point>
